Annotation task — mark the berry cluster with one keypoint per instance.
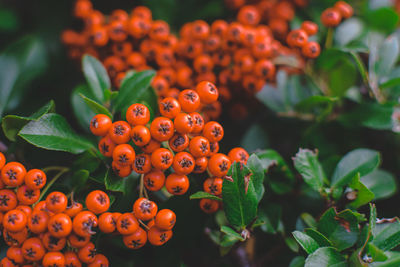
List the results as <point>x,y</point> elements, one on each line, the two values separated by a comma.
<point>179,138</point>
<point>38,231</point>
<point>299,39</point>
<point>238,56</point>
<point>57,234</point>
<point>332,16</point>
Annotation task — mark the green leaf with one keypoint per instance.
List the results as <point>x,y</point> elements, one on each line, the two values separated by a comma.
<point>364,195</point>
<point>53,132</point>
<point>133,89</point>
<point>348,31</point>
<point>96,107</point>
<point>325,257</point>
<point>229,231</point>
<point>318,237</point>
<point>254,138</point>
<point>355,259</point>
<point>292,244</point>
<point>88,161</point>
<point>12,124</point>
<point>201,195</point>
<point>384,19</point>
<point>340,228</point>
<point>381,183</point>
<point>271,215</point>
<point>388,55</point>
<point>298,261</point>
<point>372,219</point>
<point>342,77</point>
<point>388,236</point>
<point>79,179</point>
<point>392,261</point>
<point>119,184</point>
<point>360,65</point>
<point>360,160</point>
<point>83,113</point>
<point>257,170</point>
<point>308,219</point>
<point>280,176</point>
<point>375,253</point>
<point>96,76</point>
<point>306,242</point>
<point>240,206</point>
<point>273,97</point>
<point>227,242</point>
<point>9,20</point>
<point>371,115</point>
<point>307,164</point>
<point>20,63</point>
<point>390,83</point>
<point>315,101</point>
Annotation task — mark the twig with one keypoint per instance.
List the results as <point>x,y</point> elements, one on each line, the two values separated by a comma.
<point>143,224</point>
<point>62,170</point>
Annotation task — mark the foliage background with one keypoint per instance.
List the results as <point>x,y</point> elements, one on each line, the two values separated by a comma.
<point>55,76</point>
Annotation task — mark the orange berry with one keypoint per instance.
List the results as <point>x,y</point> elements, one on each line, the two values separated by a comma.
<point>100,125</point>
<point>144,209</point>
<point>158,237</point>
<point>209,205</point>
<point>162,129</point>
<point>124,154</point>
<point>97,202</point>
<point>183,163</point>
<point>136,240</point>
<point>219,165</point>
<point>56,202</point>
<point>13,173</point>
<point>138,114</point>
<point>140,135</point>
<point>177,184</point>
<point>154,180</point>
<point>165,219</point>
<point>207,91</point>
<point>120,132</point>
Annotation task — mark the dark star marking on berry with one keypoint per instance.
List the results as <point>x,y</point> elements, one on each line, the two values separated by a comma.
<point>55,199</point>
<point>123,158</point>
<point>125,224</point>
<point>163,237</point>
<point>104,147</point>
<point>164,128</point>
<point>177,189</point>
<point>38,180</point>
<point>185,163</point>
<point>29,193</point>
<point>57,227</point>
<point>145,206</point>
<point>12,175</point>
<point>136,243</point>
<point>178,141</point>
<point>101,198</point>
<point>216,131</point>
<point>119,130</point>
<point>165,159</point>
<point>30,252</point>
<point>223,166</point>
<point>4,200</point>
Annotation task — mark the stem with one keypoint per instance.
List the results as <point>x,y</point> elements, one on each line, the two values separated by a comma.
<point>329,38</point>
<point>144,225</point>
<point>61,170</point>
<point>54,168</point>
<point>141,186</point>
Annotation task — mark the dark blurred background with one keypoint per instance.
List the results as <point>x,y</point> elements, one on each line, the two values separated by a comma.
<point>41,23</point>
